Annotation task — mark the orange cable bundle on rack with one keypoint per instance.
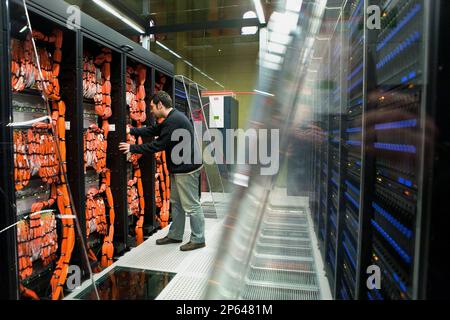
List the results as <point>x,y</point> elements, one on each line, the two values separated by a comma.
<point>162,178</point>
<point>97,85</point>
<point>137,107</point>
<point>36,154</point>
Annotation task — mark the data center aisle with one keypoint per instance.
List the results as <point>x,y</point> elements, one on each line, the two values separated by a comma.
<point>274,270</point>
<point>286,262</point>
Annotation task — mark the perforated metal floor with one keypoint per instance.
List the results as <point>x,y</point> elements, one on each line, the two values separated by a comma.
<point>286,262</point>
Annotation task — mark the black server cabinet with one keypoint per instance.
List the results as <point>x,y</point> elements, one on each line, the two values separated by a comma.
<point>8,267</point>
<point>92,35</point>
<point>393,154</point>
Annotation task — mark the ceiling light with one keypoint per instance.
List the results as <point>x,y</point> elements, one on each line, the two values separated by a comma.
<point>294,5</point>
<point>249,30</point>
<point>259,11</point>
<point>113,11</point>
<point>168,49</point>
<point>264,93</point>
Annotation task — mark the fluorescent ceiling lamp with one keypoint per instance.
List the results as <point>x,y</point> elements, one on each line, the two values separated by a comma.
<point>259,11</point>
<point>294,5</point>
<point>188,63</point>
<point>249,30</point>
<point>113,11</point>
<point>23,29</point>
<point>264,93</point>
<point>170,50</point>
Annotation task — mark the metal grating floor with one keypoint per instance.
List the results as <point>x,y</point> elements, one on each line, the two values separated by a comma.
<point>285,278</point>
<point>274,232</point>
<point>286,264</point>
<point>287,242</point>
<point>258,292</point>
<point>284,251</point>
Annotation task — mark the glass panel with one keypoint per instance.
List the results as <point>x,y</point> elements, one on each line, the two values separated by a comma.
<point>128,284</point>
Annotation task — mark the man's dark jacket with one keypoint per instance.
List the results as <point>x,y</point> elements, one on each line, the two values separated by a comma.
<point>175,120</point>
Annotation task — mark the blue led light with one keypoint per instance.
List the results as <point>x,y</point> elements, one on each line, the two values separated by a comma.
<point>333,220</point>
<point>354,143</point>
<point>409,41</point>
<point>358,163</point>
<point>349,255</point>
<point>352,187</point>
<point>355,84</point>
<point>354,130</point>
<point>397,125</point>
<point>353,201</point>
<point>396,147</point>
<point>394,244</point>
<point>405,182</point>
<point>416,9</point>
<point>334,182</point>
<point>397,224</point>
<point>355,72</point>
<point>378,294</point>
<point>400,282</point>
<point>349,244</point>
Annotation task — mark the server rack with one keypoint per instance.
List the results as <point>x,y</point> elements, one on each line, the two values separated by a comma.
<point>324,159</point>
<point>352,115</point>
<point>92,35</point>
<point>388,198</point>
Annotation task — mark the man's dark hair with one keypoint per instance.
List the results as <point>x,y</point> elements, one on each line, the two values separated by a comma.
<point>164,98</point>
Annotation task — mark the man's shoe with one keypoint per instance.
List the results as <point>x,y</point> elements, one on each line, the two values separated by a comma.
<point>167,240</point>
<point>192,246</point>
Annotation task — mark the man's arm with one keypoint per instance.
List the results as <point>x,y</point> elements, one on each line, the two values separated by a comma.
<point>150,131</point>
<point>158,145</point>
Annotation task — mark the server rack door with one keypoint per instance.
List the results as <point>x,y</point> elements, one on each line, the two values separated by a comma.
<point>396,106</point>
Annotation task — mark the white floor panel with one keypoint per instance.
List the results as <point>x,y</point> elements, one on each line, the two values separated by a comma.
<point>193,268</point>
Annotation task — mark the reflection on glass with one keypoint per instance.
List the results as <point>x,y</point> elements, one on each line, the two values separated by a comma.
<point>128,284</point>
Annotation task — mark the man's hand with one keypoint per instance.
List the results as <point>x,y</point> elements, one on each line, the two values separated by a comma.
<point>124,147</point>
<point>128,129</point>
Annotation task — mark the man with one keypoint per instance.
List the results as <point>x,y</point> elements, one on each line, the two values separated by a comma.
<point>184,177</point>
